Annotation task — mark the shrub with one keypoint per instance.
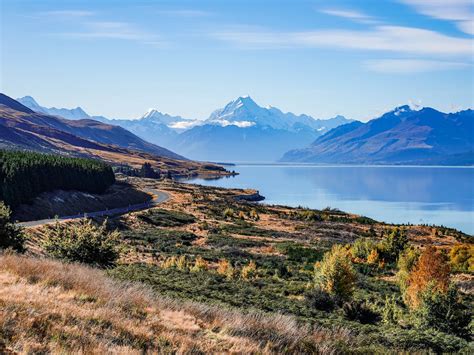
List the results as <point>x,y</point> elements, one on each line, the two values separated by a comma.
<point>182,263</point>
<point>249,271</point>
<point>224,268</point>
<point>406,263</point>
<point>336,274</point>
<point>83,242</point>
<point>11,236</point>
<point>199,265</point>
<point>319,299</point>
<point>373,257</point>
<point>362,248</point>
<point>228,213</point>
<point>432,270</point>
<point>361,312</point>
<point>442,311</point>
<point>254,214</point>
<point>462,257</point>
<point>393,244</point>
<point>391,312</point>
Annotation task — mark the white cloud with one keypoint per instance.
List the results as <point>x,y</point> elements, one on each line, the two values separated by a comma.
<point>406,40</point>
<point>184,124</point>
<point>353,15</point>
<point>114,30</point>
<point>67,13</point>
<point>240,124</point>
<point>459,11</point>
<point>410,66</point>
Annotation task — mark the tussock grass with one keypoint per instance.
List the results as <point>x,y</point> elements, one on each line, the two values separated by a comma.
<point>49,306</point>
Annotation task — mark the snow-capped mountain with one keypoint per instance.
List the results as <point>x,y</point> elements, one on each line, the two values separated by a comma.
<point>70,114</point>
<point>240,131</point>
<point>176,123</point>
<point>245,112</point>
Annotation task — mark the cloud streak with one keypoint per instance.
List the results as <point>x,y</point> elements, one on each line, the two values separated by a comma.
<point>459,11</point>
<point>411,66</point>
<point>353,15</point>
<point>398,39</point>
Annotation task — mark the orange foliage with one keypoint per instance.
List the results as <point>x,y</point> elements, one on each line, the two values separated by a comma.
<point>431,269</point>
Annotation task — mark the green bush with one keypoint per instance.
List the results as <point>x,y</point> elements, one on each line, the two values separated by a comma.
<point>443,312</point>
<point>391,312</point>
<point>165,218</point>
<point>83,242</point>
<point>336,275</point>
<point>393,245</point>
<point>362,248</point>
<point>11,236</point>
<point>406,262</point>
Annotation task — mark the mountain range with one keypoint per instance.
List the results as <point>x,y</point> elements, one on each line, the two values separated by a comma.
<point>401,136</point>
<point>240,131</point>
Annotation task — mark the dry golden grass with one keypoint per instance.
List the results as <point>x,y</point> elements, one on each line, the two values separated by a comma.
<point>50,307</point>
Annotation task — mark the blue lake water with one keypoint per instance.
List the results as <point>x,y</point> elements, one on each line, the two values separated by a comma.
<point>394,194</point>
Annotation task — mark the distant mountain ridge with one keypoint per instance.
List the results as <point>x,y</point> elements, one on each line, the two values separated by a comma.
<point>240,131</point>
<point>401,136</point>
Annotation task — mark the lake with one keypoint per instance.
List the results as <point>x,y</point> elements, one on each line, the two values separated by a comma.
<point>393,194</point>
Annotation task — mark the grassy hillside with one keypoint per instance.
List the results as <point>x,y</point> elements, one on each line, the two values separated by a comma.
<point>254,272</point>
<point>217,274</point>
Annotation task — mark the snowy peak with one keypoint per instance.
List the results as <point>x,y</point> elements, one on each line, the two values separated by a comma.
<point>71,114</point>
<point>245,112</point>
<point>177,123</point>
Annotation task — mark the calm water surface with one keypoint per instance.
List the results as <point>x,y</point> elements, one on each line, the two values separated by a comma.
<point>431,195</point>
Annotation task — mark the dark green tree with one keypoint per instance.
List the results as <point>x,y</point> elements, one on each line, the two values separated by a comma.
<point>11,236</point>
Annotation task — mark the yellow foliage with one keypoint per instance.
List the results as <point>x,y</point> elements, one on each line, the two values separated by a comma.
<point>336,274</point>
<point>462,257</point>
<point>249,271</point>
<point>224,268</point>
<point>199,265</point>
<point>373,257</point>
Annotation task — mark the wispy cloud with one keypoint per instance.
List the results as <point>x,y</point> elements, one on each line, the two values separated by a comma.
<point>67,13</point>
<point>398,39</point>
<point>186,13</point>
<point>411,66</point>
<point>109,30</point>
<point>353,15</point>
<point>459,11</point>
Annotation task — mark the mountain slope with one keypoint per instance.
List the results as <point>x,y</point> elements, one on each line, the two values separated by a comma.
<point>401,136</point>
<point>86,129</point>
<point>23,129</point>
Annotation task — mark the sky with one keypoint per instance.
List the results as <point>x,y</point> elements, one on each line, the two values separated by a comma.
<point>322,58</point>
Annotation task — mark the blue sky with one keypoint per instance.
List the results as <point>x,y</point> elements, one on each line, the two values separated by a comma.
<point>356,58</point>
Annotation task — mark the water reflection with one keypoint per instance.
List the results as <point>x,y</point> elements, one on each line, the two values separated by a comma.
<point>434,195</point>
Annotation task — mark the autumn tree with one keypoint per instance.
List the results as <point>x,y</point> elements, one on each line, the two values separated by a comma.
<point>431,270</point>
